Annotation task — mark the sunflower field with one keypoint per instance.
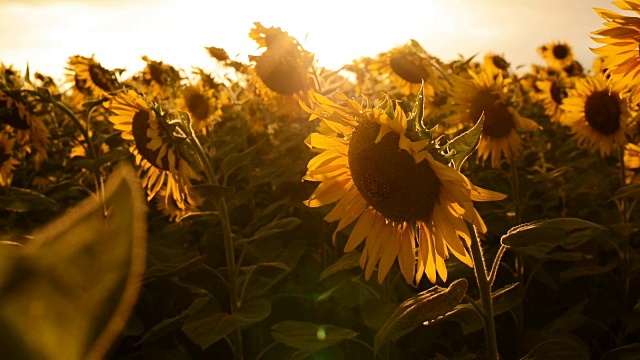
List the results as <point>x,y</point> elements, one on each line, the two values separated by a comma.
<point>401,207</point>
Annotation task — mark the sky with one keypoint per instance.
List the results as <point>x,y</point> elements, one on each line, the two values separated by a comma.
<point>45,33</point>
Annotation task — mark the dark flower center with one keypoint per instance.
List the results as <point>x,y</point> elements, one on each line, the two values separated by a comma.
<point>389,179</point>
<point>602,112</point>
<point>102,78</point>
<point>408,68</point>
<point>281,74</point>
<point>557,93</point>
<point>500,63</point>
<point>197,104</point>
<point>560,52</point>
<point>156,72</point>
<point>11,116</point>
<point>139,126</point>
<point>498,121</point>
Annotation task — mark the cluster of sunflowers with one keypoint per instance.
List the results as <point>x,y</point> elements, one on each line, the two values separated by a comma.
<point>392,163</point>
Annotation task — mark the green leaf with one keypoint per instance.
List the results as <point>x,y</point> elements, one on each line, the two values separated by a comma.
<point>587,270</point>
<point>234,161</point>
<point>569,232</point>
<point>309,336</point>
<point>273,228</point>
<point>169,325</point>
<point>23,200</point>
<point>629,191</point>
<point>346,262</point>
<point>422,308</point>
<point>261,277</point>
<point>178,267</point>
<point>556,350</point>
<point>207,330</point>
<point>465,144</point>
<point>68,293</point>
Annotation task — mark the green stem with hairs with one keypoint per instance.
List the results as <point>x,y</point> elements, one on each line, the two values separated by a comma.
<point>223,213</point>
<point>484,286</point>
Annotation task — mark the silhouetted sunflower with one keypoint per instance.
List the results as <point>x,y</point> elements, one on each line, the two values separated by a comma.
<point>597,116</point>
<point>485,92</point>
<point>404,68</point>
<point>20,114</point>
<point>558,54</point>
<point>620,38</point>
<point>7,162</point>
<point>404,203</point>
<point>154,148</point>
<point>90,78</point>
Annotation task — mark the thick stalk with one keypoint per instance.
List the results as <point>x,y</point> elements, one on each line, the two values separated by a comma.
<point>232,271</point>
<point>484,287</point>
<point>624,216</point>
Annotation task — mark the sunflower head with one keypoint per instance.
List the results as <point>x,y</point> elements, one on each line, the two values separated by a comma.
<point>160,78</point>
<point>597,115</point>
<point>90,78</point>
<point>7,162</point>
<point>158,141</point>
<point>405,202</point>
<point>557,54</point>
<point>24,114</point>
<point>284,65</point>
<point>404,67</point>
<point>497,63</point>
<point>486,93</point>
<point>619,38</point>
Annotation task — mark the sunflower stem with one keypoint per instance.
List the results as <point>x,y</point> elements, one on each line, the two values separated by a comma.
<point>484,286</point>
<point>624,216</point>
<point>223,212</point>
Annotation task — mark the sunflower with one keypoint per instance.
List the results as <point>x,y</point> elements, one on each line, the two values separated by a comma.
<point>160,80</point>
<point>284,65</point>
<point>153,147</point>
<point>597,116</point>
<point>7,162</point>
<point>620,38</point>
<point>496,63</point>
<point>486,93</point>
<point>551,94</point>
<point>404,68</point>
<point>404,203</point>
<point>20,113</point>
<point>632,163</point>
<point>557,54</point>
<point>90,78</point>
<point>279,76</point>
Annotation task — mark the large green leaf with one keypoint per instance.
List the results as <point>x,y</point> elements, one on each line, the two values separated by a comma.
<point>465,144</point>
<point>539,237</point>
<point>69,292</point>
<point>309,336</point>
<point>422,308</point>
<point>234,161</point>
<point>207,330</point>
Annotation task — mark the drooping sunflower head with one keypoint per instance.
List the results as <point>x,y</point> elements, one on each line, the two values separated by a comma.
<point>404,67</point>
<point>23,114</point>
<point>557,54</point>
<point>597,116</point>
<point>620,49</point>
<point>160,79</point>
<point>202,104</point>
<point>552,92</point>
<point>90,78</point>
<point>284,66</point>
<point>485,93</point>
<point>155,144</point>
<point>405,203</point>
<point>496,63</point>
<point>7,162</point>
